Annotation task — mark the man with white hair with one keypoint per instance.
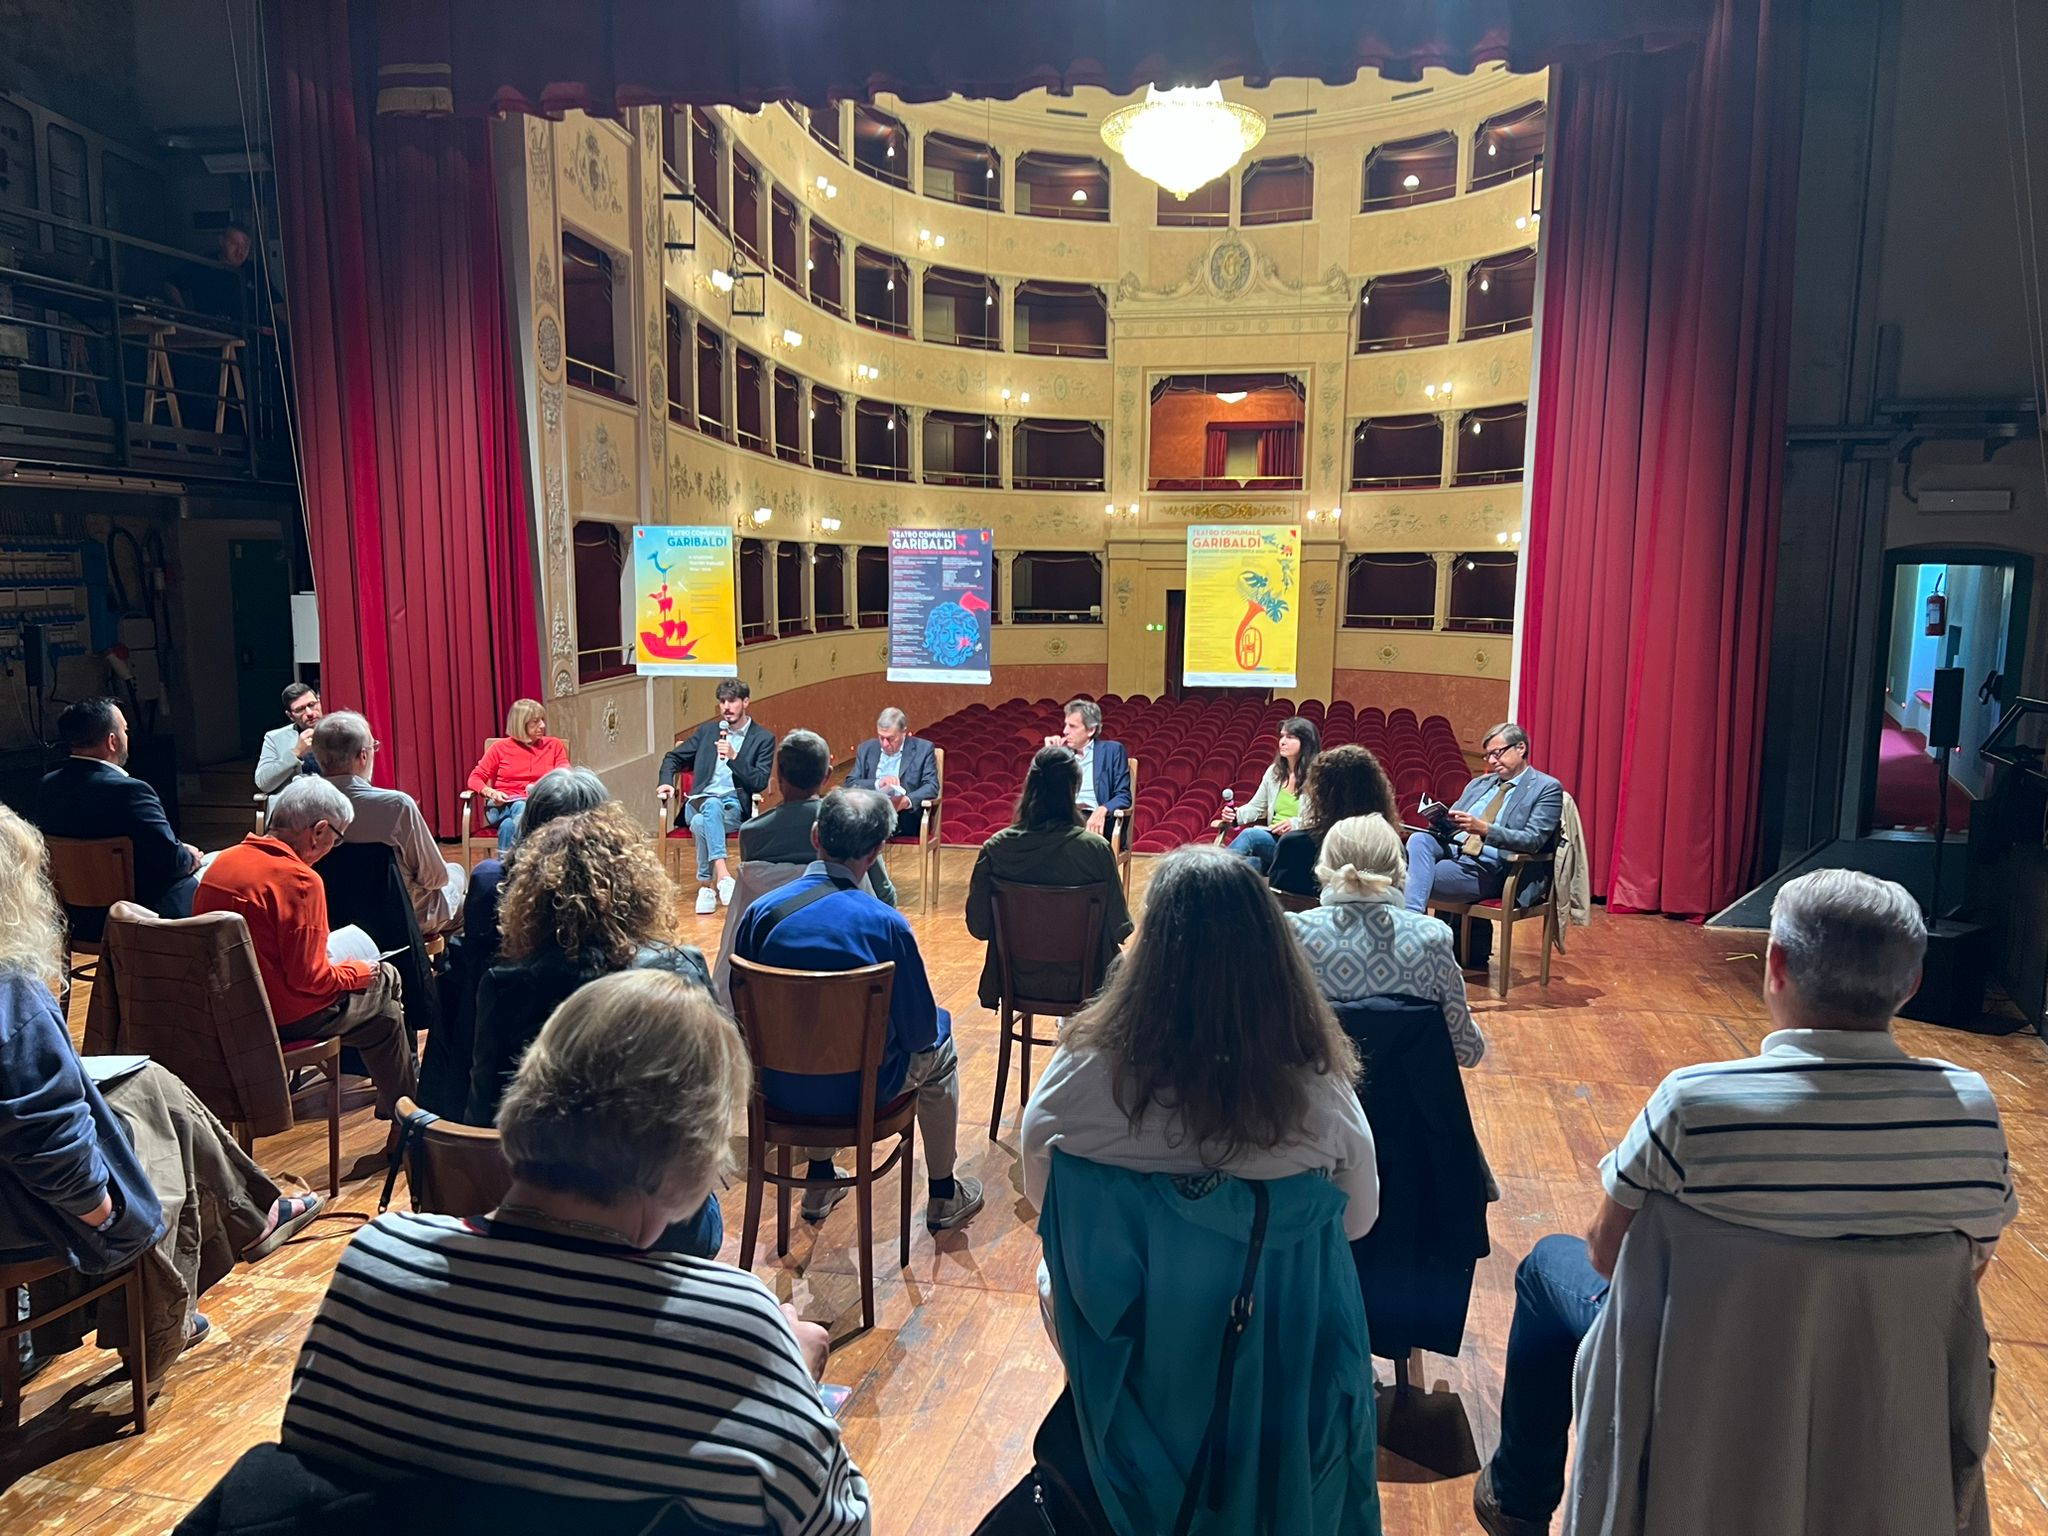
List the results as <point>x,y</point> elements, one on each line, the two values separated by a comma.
<point>1830,1131</point>
<point>268,880</point>
<point>899,765</point>
<point>347,754</point>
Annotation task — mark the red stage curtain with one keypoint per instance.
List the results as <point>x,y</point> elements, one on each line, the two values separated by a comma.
<point>480,56</point>
<point>1280,452</point>
<point>408,412</point>
<point>1668,225</point>
<point>1215,451</point>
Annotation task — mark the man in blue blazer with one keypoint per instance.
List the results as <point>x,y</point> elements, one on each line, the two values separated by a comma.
<point>1105,769</point>
<point>92,796</point>
<point>899,765</point>
<point>1510,809</point>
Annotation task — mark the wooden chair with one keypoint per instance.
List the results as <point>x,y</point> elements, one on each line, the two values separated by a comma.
<point>1053,935</point>
<point>476,847</point>
<point>822,1024</point>
<point>672,838</point>
<point>1292,902</point>
<point>186,992</point>
<point>927,840</point>
<point>16,1278</point>
<point>451,1169</point>
<point>89,872</point>
<point>1505,915</point>
<point>1120,832</point>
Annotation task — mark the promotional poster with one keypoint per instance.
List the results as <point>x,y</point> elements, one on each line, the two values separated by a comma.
<point>685,604</point>
<point>941,586</point>
<point>1241,606</point>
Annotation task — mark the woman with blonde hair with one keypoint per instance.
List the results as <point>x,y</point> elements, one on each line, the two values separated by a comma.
<point>97,1173</point>
<point>586,896</point>
<point>1362,942</point>
<point>581,1362</point>
<point>512,764</point>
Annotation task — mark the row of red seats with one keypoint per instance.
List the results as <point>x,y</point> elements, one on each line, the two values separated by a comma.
<point>1188,752</point>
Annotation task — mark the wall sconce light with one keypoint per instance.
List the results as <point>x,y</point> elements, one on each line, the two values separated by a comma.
<point>792,338</point>
<point>824,187</point>
<point>762,514</point>
<point>1080,194</point>
<point>1330,516</point>
<point>1433,391</point>
<point>1117,514</point>
<point>866,372</point>
<point>1513,536</point>
<point>1411,181</point>
<point>1485,284</point>
<point>721,279</point>
<point>1023,399</point>
<point>672,228</point>
<point>829,524</point>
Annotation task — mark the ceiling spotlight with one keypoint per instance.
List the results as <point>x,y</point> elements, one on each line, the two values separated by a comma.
<point>1411,181</point>
<point>1230,396</point>
<point>1080,194</point>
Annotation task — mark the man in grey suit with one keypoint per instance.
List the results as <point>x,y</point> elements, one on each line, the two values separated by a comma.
<point>900,766</point>
<point>1511,808</point>
<point>288,750</point>
<point>347,754</point>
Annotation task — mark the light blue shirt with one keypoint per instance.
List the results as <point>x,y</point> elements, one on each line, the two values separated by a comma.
<point>721,776</point>
<point>1086,798</point>
<point>890,767</point>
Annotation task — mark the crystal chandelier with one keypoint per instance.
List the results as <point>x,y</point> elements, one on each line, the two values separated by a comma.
<point>1185,137</point>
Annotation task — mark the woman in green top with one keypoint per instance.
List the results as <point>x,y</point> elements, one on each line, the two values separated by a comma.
<point>1282,798</point>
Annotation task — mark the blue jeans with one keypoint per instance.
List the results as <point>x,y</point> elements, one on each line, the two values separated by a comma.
<point>1558,1294</point>
<point>710,821</point>
<point>1436,871</point>
<point>506,819</point>
<point>1257,844</point>
<point>700,1236</point>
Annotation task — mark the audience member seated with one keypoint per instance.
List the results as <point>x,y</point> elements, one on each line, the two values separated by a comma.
<point>512,764</point>
<point>823,921</point>
<point>97,1173</point>
<point>586,896</point>
<point>1105,769</point>
<point>1282,796</point>
<point>617,1126</point>
<point>267,879</point>
<point>90,795</point>
<point>902,767</point>
<point>1045,845</point>
<point>783,835</point>
<point>451,1044</point>
<point>1209,1051</point>
<point>1342,782</point>
<point>1760,1143</point>
<point>347,754</point>
<point>288,749</point>
<point>1511,808</point>
<point>728,758</point>
<point>1361,942</point>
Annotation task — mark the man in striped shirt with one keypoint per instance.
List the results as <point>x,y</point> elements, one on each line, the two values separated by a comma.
<point>1830,1131</point>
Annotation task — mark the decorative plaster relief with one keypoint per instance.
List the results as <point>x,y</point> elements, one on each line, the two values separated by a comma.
<point>590,171</point>
<point>547,342</point>
<point>598,468</point>
<point>539,154</point>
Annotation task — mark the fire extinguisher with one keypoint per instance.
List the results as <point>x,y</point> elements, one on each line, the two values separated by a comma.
<point>1937,608</point>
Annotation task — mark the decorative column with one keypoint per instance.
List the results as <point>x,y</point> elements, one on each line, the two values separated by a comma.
<point>1005,558</point>
<point>770,548</point>
<point>1006,312</point>
<point>805,419</point>
<point>1448,470</point>
<point>810,581</point>
<point>1460,271</point>
<point>849,574</point>
<point>1445,563</point>
<point>917,415</point>
<point>728,389</point>
<point>917,271</point>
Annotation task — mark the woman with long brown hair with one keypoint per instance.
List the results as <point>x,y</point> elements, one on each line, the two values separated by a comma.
<point>1209,1050</point>
<point>1345,781</point>
<point>1281,801</point>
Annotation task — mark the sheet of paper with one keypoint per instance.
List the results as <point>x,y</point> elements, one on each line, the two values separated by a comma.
<point>351,943</point>
<point>111,1069</point>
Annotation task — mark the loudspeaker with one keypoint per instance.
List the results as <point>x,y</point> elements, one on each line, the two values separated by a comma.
<point>1952,981</point>
<point>1945,716</point>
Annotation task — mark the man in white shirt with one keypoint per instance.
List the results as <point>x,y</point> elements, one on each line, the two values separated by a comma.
<point>1831,1131</point>
<point>1105,769</point>
<point>347,754</point>
<point>289,748</point>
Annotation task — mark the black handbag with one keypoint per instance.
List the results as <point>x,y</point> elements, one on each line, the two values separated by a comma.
<point>1057,1496</point>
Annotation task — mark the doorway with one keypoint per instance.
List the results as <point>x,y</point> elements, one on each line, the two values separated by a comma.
<point>259,596</point>
<point>1176,640</point>
<point>1961,608</point>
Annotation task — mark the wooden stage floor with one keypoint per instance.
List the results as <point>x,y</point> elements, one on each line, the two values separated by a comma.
<point>950,1385</point>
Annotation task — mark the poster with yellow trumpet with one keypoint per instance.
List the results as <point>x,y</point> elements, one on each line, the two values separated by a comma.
<point>1241,619</point>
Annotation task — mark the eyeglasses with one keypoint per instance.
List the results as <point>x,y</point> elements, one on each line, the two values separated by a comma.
<point>1494,754</point>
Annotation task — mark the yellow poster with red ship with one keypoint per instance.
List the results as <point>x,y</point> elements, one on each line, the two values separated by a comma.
<point>684,604</point>
<point>1241,606</point>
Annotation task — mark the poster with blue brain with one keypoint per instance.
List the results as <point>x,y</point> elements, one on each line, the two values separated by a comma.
<point>941,586</point>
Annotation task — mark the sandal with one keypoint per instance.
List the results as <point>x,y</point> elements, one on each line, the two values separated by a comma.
<point>288,1218</point>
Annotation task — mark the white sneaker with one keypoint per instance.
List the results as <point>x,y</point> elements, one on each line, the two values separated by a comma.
<point>725,888</point>
<point>707,899</point>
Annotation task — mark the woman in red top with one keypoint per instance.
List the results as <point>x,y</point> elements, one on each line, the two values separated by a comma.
<point>512,763</point>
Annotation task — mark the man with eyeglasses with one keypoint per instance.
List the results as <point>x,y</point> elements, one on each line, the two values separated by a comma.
<point>1510,809</point>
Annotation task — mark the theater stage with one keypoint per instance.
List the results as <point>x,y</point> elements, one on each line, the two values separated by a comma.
<point>951,1383</point>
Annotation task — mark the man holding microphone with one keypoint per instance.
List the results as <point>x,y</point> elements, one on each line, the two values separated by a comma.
<point>729,758</point>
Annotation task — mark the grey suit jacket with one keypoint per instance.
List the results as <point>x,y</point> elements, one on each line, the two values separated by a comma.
<point>279,763</point>
<point>1528,822</point>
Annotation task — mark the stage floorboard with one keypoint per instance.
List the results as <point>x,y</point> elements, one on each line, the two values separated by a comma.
<point>952,1381</point>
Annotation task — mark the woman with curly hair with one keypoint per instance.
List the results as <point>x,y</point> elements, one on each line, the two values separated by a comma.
<point>1344,782</point>
<point>586,896</point>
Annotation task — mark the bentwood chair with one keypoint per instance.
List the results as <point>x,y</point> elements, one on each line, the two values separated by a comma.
<point>822,1024</point>
<point>89,872</point>
<point>15,1279</point>
<point>451,1169</point>
<point>1506,916</point>
<point>1121,832</point>
<point>1048,941</point>
<point>477,846</point>
<point>927,839</point>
